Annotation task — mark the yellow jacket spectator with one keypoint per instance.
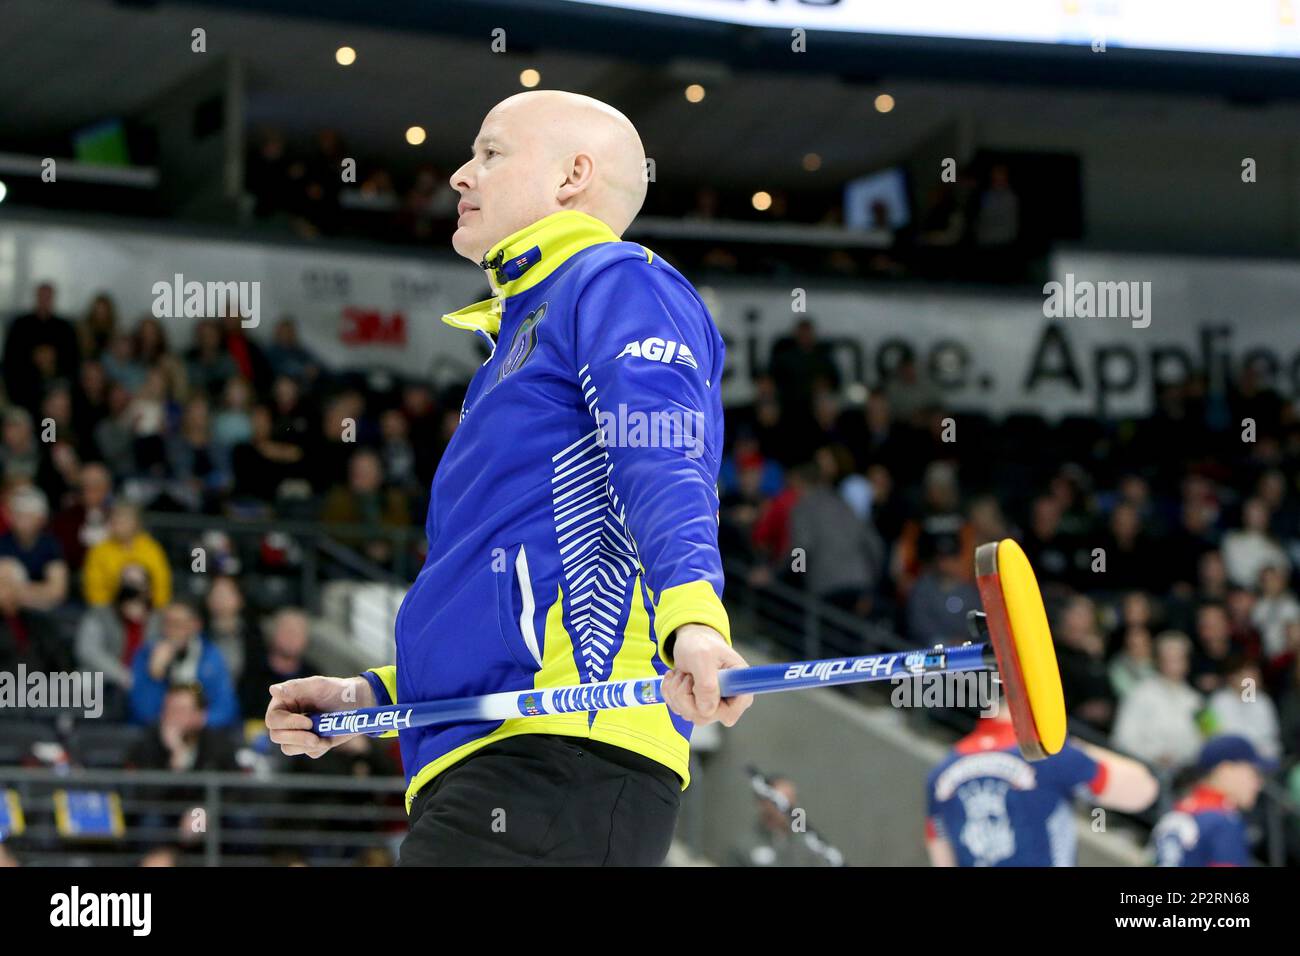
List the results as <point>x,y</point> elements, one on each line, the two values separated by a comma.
<point>127,543</point>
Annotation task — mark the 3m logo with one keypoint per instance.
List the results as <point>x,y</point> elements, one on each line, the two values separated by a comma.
<point>659,350</point>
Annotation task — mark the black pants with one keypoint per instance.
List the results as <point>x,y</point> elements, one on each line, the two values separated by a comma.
<point>545,800</point>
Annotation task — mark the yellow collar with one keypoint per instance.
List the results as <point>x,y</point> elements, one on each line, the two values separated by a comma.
<point>522,260</point>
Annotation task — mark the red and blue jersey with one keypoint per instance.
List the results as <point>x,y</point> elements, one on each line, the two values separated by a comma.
<point>572,521</point>
<point>997,809</point>
<point>1203,829</point>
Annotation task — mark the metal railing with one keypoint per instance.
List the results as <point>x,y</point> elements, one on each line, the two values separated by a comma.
<point>246,819</point>
<point>324,555</point>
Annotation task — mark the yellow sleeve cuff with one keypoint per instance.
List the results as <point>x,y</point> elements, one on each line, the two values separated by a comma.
<point>693,603</point>
<point>388,677</point>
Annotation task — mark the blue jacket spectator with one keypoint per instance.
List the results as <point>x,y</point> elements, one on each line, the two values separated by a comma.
<point>181,655</point>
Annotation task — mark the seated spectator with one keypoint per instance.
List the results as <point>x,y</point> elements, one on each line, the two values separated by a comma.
<point>771,539</point>
<point>250,360</point>
<point>40,331</point>
<point>90,403</point>
<point>114,436</point>
<point>148,414</point>
<point>910,391</point>
<point>282,657</point>
<point>38,551</point>
<point>845,558</point>
<point>942,596</point>
<point>1189,543</point>
<point>1251,548</point>
<point>263,462</point>
<point>152,351</point>
<point>1275,611</point>
<point>1050,551</point>
<point>20,452</point>
<point>292,415</point>
<point>1081,656</point>
<point>987,523</point>
<point>1128,553</point>
<point>288,357</point>
<point>997,217</point>
<point>1241,625</point>
<point>183,738</point>
<point>1157,720</point>
<point>207,365</point>
<point>941,515</point>
<point>26,638</point>
<point>365,501</point>
<point>83,523</point>
<point>1213,649</point>
<point>121,364</point>
<point>127,543</point>
<point>179,654</point>
<point>421,412</point>
<point>1135,661</point>
<point>33,582</point>
<point>98,327</point>
<point>200,468</point>
<point>1212,579</point>
<point>1243,707</point>
<point>108,637</point>
<point>1135,611</point>
<point>65,442</point>
<point>227,624</point>
<point>232,425</point>
<point>397,451</point>
<point>739,508</point>
<point>342,427</point>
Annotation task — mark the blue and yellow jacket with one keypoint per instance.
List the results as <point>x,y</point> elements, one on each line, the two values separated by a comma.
<point>573,518</point>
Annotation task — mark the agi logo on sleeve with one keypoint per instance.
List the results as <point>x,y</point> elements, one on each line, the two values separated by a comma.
<point>660,350</point>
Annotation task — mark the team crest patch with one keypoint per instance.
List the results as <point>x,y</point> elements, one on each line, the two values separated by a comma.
<point>523,343</point>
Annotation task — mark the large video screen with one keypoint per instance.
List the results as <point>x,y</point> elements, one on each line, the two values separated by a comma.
<point>1244,27</point>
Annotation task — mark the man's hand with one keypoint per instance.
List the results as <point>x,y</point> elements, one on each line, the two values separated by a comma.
<point>691,687</point>
<point>293,700</point>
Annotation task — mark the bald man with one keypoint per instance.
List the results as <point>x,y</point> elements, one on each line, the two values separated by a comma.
<point>572,522</point>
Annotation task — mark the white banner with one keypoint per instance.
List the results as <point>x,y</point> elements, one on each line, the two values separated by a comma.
<point>1258,27</point>
<point>1099,341</point>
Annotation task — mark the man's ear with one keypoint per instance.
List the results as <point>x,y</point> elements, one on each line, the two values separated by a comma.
<point>579,173</point>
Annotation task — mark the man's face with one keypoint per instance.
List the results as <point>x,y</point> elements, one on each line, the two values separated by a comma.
<point>1171,661</point>
<point>27,523</point>
<point>509,183</point>
<point>45,298</point>
<point>123,524</point>
<point>95,486</point>
<point>182,713</point>
<point>1241,781</point>
<point>290,636</point>
<point>178,625</point>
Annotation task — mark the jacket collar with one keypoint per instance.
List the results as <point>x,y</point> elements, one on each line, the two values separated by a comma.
<point>522,260</point>
<point>988,735</point>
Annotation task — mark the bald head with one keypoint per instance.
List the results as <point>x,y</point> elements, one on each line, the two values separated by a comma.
<point>541,152</point>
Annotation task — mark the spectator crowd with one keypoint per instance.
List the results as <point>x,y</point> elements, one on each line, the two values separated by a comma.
<point>1167,547</point>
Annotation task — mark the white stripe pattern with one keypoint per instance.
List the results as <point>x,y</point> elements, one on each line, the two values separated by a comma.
<point>597,552</point>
